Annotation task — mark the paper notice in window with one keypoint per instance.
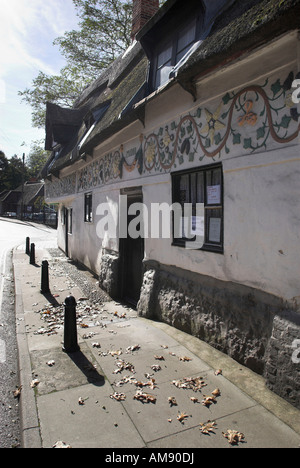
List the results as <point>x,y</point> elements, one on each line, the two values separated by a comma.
<point>215,230</point>
<point>185,227</point>
<point>197,225</point>
<point>214,195</point>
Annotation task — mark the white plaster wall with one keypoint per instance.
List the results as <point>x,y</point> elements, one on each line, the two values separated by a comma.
<point>261,226</point>
<point>261,190</point>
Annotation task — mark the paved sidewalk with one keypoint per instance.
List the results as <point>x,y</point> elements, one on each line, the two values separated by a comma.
<point>72,401</point>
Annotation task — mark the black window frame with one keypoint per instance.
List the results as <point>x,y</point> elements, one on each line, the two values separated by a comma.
<point>209,208</point>
<point>88,207</point>
<point>70,223</point>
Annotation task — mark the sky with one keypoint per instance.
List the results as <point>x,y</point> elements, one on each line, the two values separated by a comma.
<point>28,28</point>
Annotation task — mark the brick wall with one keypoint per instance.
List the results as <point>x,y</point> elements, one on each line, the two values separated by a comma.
<point>142,11</point>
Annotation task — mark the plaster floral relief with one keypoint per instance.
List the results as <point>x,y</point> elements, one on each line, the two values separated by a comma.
<point>243,122</point>
<point>250,120</point>
<point>60,187</point>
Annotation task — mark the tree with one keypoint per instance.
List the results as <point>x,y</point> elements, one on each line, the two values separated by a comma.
<point>3,162</point>
<point>105,29</point>
<point>104,33</point>
<point>37,158</point>
<point>61,89</point>
<point>11,175</point>
<point>3,171</point>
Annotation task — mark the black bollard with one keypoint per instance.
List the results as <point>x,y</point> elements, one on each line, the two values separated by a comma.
<point>32,254</point>
<point>70,328</point>
<point>45,278</point>
<point>27,246</point>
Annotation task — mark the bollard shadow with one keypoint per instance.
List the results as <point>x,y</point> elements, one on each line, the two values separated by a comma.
<point>87,368</point>
<point>51,299</point>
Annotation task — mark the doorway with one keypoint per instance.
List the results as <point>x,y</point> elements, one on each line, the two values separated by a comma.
<point>66,223</point>
<point>131,255</point>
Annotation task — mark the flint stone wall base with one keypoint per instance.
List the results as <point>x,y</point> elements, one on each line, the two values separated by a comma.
<point>109,274</point>
<point>254,328</point>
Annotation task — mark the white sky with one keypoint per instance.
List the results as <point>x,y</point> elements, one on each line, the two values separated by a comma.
<point>28,28</point>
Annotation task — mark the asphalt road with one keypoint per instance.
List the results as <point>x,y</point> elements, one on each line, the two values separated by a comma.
<point>12,234</point>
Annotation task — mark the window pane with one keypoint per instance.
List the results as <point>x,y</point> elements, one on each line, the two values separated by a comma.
<point>88,208</point>
<point>217,176</point>
<point>214,187</point>
<point>186,38</point>
<point>184,189</point>
<point>164,56</point>
<point>70,221</point>
<point>182,54</point>
<point>193,188</point>
<point>214,226</point>
<point>162,75</point>
<point>200,187</point>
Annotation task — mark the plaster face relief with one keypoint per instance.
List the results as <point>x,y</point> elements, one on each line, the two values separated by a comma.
<point>296,353</point>
<point>155,223</point>
<point>296,93</point>
<point>242,122</point>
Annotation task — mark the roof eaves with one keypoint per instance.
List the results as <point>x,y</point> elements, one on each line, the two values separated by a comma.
<point>259,24</point>
<point>115,118</point>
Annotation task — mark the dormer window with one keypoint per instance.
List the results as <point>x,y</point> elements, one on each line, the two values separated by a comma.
<point>169,53</point>
<point>172,35</point>
<point>186,38</point>
<point>91,121</point>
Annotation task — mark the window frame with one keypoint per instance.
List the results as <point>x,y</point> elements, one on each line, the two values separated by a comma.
<point>209,245</point>
<point>70,223</point>
<point>88,207</point>
<point>173,39</point>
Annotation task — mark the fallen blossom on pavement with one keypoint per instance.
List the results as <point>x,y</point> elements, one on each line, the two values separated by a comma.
<point>34,383</point>
<point>61,445</point>
<point>234,437</point>
<point>208,427</point>
<point>155,367</point>
<point>194,384</point>
<point>172,401</point>
<point>118,396</point>
<point>159,358</point>
<point>208,400</point>
<point>144,397</point>
<point>181,417</point>
<point>17,392</point>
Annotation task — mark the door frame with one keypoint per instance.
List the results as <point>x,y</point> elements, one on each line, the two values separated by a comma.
<point>66,222</point>
<point>134,195</point>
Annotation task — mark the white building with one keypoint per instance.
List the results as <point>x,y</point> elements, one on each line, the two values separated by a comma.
<point>203,109</point>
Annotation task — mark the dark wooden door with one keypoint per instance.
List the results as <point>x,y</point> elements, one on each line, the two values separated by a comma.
<point>66,218</point>
<point>132,255</point>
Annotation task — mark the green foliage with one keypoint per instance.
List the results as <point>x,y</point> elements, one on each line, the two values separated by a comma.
<point>11,171</point>
<point>104,34</point>
<point>63,90</point>
<point>37,158</point>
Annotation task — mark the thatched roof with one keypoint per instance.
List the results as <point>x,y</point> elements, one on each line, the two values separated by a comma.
<point>122,88</point>
<point>114,89</point>
<point>243,27</point>
<point>31,192</point>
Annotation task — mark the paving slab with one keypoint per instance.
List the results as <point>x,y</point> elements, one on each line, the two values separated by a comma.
<point>65,370</point>
<point>100,423</point>
<point>244,404</point>
<point>261,429</point>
